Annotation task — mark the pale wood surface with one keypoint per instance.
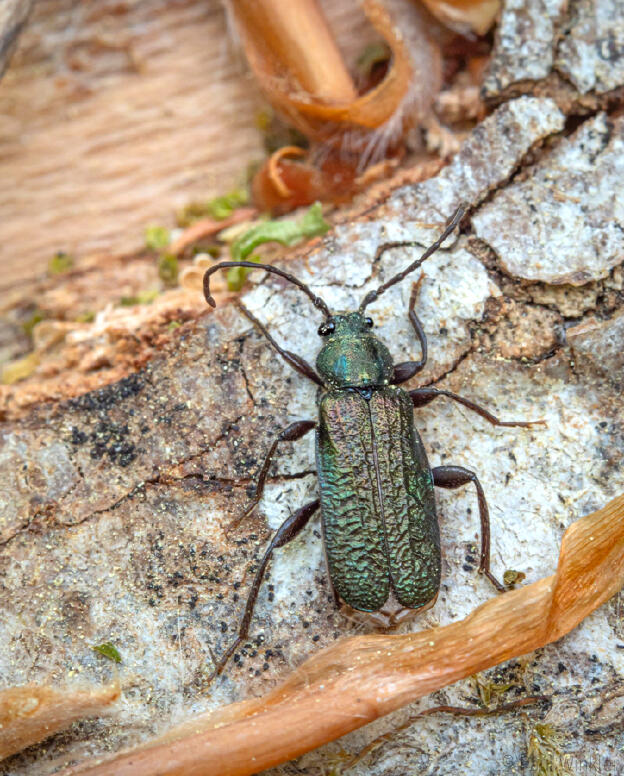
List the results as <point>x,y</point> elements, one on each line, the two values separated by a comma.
<point>111,116</point>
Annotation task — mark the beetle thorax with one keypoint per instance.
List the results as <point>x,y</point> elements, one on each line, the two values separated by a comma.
<point>352,357</point>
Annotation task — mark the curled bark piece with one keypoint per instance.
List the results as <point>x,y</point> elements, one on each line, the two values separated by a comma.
<point>360,679</point>
<point>30,713</point>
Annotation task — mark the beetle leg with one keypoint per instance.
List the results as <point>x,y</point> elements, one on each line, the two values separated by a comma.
<point>454,477</point>
<point>407,369</point>
<point>285,533</point>
<point>422,396</point>
<point>297,362</point>
<point>291,433</point>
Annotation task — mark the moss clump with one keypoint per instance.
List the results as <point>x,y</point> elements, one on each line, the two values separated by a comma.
<point>108,650</point>
<point>310,225</point>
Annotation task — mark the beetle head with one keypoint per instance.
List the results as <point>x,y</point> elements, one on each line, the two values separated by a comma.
<point>352,356</point>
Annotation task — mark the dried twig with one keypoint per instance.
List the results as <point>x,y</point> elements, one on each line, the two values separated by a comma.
<point>360,679</point>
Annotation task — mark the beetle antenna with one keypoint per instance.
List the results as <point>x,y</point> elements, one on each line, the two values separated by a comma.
<point>316,300</point>
<point>450,226</point>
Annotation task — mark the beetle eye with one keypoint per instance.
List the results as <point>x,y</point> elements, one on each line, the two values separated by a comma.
<point>369,322</point>
<point>326,328</point>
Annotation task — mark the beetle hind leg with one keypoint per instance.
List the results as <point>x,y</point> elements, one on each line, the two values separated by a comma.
<point>452,477</point>
<point>284,534</point>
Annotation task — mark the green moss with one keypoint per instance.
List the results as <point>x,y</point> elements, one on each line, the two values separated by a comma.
<point>277,133</point>
<point>88,316</point>
<point>217,208</point>
<point>143,297</point>
<point>310,225</point>
<point>168,269</point>
<point>489,691</point>
<point>157,238</point>
<point>19,369</point>
<point>545,753</point>
<point>108,650</point>
<point>59,263</point>
<point>31,322</point>
<point>512,577</point>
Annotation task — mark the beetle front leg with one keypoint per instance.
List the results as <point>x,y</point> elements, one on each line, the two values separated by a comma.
<point>291,433</point>
<point>454,477</point>
<point>407,369</point>
<point>284,534</point>
<point>422,396</point>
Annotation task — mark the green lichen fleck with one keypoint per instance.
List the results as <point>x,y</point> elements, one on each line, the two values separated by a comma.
<point>108,650</point>
<point>157,238</point>
<point>311,224</point>
<point>59,263</point>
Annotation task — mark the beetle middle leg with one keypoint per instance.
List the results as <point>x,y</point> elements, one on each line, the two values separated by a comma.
<point>284,534</point>
<point>454,477</point>
<point>422,396</point>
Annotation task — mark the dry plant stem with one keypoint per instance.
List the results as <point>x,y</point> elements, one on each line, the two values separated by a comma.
<point>314,113</point>
<point>362,678</point>
<point>30,713</point>
<point>296,33</point>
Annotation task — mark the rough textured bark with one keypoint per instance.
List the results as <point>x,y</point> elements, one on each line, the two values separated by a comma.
<point>118,502</point>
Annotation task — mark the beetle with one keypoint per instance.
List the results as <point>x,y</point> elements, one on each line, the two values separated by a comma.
<point>378,514</point>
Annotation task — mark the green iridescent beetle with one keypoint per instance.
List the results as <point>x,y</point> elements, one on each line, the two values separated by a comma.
<point>378,513</point>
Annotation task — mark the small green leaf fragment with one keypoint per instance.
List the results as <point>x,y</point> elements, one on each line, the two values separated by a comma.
<point>173,325</point>
<point>88,316</point>
<point>157,238</point>
<point>59,263</point>
<point>108,650</point>
<point>168,269</point>
<point>19,369</point>
<point>513,577</point>
<point>311,224</point>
